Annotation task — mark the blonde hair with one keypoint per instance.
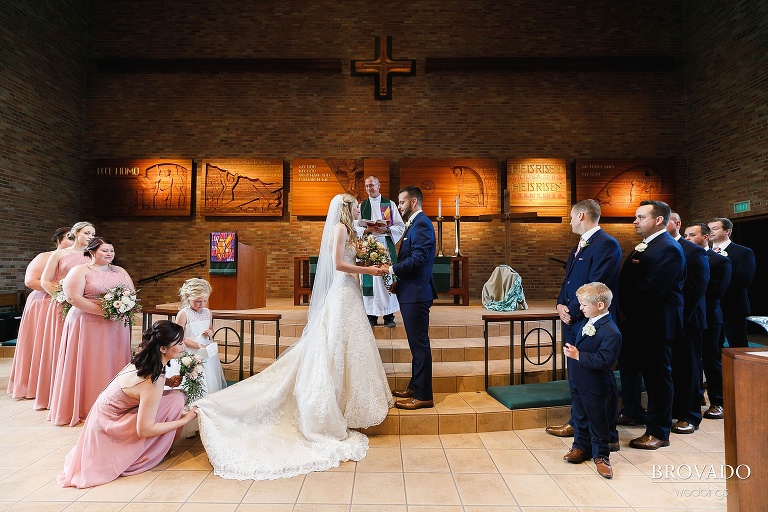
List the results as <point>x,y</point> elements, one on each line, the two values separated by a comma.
<point>594,293</point>
<point>194,288</point>
<point>346,215</point>
<point>77,228</point>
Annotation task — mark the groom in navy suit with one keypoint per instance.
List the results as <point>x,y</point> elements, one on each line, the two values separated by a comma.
<point>651,283</point>
<point>415,291</point>
<point>595,258</point>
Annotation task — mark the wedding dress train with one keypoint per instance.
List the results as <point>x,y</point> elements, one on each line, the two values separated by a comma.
<point>295,416</point>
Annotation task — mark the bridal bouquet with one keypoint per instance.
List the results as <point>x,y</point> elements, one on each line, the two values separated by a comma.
<point>373,252</point>
<point>120,304</point>
<point>191,369</point>
<point>57,297</point>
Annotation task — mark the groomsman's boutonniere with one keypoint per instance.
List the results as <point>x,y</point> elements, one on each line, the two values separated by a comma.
<point>723,253</point>
<point>583,243</point>
<point>641,247</point>
<point>588,330</point>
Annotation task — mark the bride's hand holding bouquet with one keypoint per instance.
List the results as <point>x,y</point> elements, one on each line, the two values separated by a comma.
<point>375,255</point>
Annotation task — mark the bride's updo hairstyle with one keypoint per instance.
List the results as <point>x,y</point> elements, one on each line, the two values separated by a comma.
<point>148,357</point>
<point>346,215</point>
<point>72,235</point>
<point>194,289</point>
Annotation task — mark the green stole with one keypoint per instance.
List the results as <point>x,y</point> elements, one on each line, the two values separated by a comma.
<point>365,213</point>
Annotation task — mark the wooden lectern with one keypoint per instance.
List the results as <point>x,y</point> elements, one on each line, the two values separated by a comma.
<point>745,395</point>
<point>247,289</point>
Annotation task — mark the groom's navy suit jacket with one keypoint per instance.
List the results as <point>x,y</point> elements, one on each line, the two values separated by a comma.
<point>414,262</point>
<point>599,261</point>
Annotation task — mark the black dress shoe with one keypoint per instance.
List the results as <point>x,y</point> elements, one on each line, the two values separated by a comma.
<point>715,412</point>
<point>406,393</point>
<point>390,323</point>
<point>626,420</point>
<point>560,430</point>
<point>683,427</point>
<point>576,456</point>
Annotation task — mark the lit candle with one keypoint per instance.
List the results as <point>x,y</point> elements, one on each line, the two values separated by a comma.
<point>457,206</point>
<point>439,206</point>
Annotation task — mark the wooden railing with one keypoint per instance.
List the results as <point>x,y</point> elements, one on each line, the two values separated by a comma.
<point>239,334</point>
<point>544,339</point>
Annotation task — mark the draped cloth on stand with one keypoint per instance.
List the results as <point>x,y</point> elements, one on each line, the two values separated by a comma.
<point>504,290</point>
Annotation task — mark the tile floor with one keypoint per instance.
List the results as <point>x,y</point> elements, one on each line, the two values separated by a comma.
<point>507,471</point>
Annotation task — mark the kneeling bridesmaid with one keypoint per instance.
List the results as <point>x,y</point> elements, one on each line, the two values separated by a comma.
<point>134,422</point>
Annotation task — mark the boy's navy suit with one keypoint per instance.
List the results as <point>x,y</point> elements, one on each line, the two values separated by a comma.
<point>593,386</point>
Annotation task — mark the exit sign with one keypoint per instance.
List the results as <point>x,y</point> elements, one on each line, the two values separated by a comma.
<point>743,206</point>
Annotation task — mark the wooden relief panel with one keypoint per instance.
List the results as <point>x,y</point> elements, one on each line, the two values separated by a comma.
<point>144,187</point>
<point>314,182</point>
<point>244,187</point>
<point>620,185</point>
<point>470,185</point>
<point>538,185</point>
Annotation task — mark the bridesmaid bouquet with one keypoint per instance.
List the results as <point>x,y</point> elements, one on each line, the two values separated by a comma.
<point>57,297</point>
<point>373,252</point>
<point>120,304</point>
<point>191,369</point>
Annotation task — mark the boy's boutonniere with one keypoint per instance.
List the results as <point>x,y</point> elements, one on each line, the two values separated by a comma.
<point>588,330</point>
<point>641,247</point>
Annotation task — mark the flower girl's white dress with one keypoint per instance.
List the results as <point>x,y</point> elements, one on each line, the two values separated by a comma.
<point>294,417</point>
<point>213,373</point>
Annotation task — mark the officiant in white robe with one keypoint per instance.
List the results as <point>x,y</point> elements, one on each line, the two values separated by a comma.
<point>376,298</point>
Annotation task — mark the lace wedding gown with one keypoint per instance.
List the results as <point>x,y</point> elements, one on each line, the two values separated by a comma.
<point>294,417</point>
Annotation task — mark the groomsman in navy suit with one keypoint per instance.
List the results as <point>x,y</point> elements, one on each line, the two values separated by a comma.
<point>686,355</point>
<point>651,308</point>
<point>719,278</point>
<point>735,302</point>
<point>415,291</point>
<point>595,258</point>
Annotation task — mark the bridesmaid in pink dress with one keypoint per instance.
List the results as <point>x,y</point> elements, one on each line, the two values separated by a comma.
<point>134,422</point>
<point>93,349</point>
<point>26,357</point>
<point>48,345</point>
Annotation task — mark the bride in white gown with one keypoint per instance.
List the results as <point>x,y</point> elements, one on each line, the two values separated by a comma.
<point>295,416</point>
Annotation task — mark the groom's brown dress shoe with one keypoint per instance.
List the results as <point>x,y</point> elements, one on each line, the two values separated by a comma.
<point>603,467</point>
<point>412,403</point>
<point>576,456</point>
<point>406,393</point>
<point>560,430</point>
<point>647,442</point>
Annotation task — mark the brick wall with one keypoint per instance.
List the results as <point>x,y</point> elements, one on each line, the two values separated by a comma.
<point>42,107</point>
<point>726,84</point>
<point>501,115</point>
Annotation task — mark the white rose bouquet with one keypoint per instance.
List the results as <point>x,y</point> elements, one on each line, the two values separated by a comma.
<point>120,304</point>
<point>373,252</point>
<point>191,370</point>
<point>57,297</point>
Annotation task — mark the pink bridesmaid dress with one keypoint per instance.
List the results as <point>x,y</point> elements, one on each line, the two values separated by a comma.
<point>93,349</point>
<point>46,347</point>
<point>109,445</point>
<point>25,369</point>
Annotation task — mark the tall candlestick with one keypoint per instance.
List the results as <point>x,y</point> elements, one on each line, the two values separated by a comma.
<point>439,206</point>
<point>457,206</point>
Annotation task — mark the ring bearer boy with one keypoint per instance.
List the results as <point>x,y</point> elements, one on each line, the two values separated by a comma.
<point>594,396</point>
<point>379,217</point>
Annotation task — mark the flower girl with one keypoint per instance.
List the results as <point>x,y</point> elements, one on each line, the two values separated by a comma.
<point>197,321</point>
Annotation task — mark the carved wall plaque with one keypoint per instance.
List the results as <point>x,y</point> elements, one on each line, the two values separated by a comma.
<point>158,187</point>
<point>538,185</point>
<point>314,181</point>
<point>620,185</point>
<point>474,182</point>
<point>244,187</point>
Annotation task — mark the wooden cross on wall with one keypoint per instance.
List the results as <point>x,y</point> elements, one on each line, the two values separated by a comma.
<point>383,67</point>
